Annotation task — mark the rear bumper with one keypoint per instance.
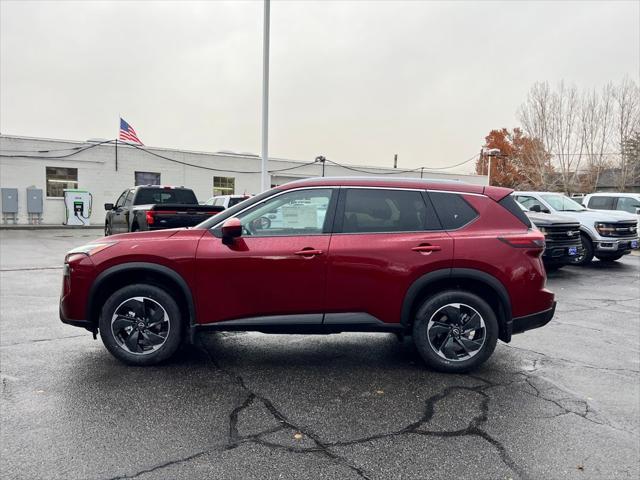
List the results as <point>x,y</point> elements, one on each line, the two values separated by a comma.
<point>535,320</point>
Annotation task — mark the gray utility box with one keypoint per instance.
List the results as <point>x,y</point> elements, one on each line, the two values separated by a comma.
<point>34,200</point>
<point>9,200</point>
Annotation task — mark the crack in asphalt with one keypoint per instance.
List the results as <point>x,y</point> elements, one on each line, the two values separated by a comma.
<point>420,427</point>
<point>40,340</point>
<point>327,449</point>
<point>575,362</point>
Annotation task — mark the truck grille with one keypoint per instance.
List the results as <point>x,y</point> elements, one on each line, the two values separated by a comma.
<point>618,229</point>
<point>562,235</point>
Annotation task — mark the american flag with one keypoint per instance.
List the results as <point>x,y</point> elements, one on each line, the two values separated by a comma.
<point>128,134</point>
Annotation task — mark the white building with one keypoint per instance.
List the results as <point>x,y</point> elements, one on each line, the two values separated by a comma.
<point>106,169</point>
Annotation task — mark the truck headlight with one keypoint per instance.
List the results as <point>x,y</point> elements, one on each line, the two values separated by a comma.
<point>604,229</point>
<point>543,231</point>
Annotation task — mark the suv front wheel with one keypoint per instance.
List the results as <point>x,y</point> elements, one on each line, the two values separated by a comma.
<point>455,331</point>
<point>141,325</point>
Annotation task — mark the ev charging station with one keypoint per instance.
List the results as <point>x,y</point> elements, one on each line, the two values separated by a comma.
<point>77,205</point>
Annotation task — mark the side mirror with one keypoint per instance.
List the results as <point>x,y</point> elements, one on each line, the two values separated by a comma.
<point>231,228</point>
<point>637,211</point>
<point>108,206</point>
<point>535,208</point>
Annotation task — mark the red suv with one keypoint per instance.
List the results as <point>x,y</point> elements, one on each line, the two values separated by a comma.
<point>455,266</point>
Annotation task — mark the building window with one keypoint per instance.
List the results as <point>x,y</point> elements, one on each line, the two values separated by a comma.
<point>224,186</point>
<point>147,178</point>
<point>59,178</point>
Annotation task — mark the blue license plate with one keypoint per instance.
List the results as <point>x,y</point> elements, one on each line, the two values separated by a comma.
<point>573,250</point>
<point>634,243</point>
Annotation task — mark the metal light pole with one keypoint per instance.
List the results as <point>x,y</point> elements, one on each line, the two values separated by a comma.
<point>491,152</point>
<point>265,181</point>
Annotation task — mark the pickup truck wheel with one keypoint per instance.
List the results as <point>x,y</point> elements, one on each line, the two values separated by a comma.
<point>141,325</point>
<point>586,256</point>
<point>455,331</point>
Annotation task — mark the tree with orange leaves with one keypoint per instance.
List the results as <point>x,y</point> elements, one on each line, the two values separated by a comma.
<point>523,162</point>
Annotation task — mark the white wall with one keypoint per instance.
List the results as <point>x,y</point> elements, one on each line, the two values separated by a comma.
<point>97,171</point>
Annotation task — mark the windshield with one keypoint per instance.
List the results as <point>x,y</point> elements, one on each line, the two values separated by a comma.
<point>562,203</point>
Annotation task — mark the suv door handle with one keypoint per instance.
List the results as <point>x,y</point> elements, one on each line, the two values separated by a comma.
<point>308,252</point>
<point>427,248</point>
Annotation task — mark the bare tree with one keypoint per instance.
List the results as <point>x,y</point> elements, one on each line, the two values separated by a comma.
<point>554,117</point>
<point>627,123</point>
<point>535,115</point>
<point>597,129</point>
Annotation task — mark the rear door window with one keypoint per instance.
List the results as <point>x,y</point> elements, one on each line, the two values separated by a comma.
<point>601,203</point>
<point>385,210</point>
<point>452,209</point>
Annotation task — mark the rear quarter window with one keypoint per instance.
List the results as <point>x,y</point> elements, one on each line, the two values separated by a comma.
<point>601,203</point>
<point>452,209</point>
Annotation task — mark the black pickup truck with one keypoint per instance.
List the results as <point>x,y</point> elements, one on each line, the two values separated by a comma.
<point>561,237</point>
<point>155,207</point>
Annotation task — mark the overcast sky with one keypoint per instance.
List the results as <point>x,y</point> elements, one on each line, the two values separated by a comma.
<point>356,81</point>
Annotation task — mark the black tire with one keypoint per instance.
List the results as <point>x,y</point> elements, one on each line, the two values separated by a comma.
<point>135,227</point>
<point>423,342</point>
<point>587,251</point>
<point>149,349</point>
<point>609,258</point>
<point>107,229</point>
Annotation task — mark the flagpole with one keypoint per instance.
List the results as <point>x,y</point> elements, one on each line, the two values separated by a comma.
<point>116,154</point>
<point>265,181</point>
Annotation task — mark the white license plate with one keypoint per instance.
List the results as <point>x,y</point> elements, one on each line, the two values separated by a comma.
<point>573,250</point>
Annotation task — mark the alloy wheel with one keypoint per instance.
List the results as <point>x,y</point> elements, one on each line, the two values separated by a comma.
<point>140,325</point>
<point>456,332</point>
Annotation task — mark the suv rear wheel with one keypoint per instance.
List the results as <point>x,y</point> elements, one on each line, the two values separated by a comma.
<point>141,325</point>
<point>455,331</point>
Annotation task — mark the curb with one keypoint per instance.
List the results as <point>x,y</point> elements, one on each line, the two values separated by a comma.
<point>50,227</point>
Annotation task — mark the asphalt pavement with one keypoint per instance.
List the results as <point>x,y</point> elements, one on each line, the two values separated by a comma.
<point>561,402</point>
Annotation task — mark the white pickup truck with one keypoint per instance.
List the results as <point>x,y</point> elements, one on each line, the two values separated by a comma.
<point>607,235</point>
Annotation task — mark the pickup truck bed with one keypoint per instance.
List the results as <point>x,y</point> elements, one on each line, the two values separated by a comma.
<point>154,207</point>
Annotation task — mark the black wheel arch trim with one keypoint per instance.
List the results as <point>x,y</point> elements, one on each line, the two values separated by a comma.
<point>150,267</point>
<point>461,274</point>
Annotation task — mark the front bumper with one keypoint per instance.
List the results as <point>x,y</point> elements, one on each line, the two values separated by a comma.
<point>76,323</point>
<point>616,245</point>
<point>560,254</point>
<point>535,320</point>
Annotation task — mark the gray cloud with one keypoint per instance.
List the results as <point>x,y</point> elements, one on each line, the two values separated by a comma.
<point>357,81</point>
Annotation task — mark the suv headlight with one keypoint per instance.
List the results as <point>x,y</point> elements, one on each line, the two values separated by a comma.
<point>543,230</point>
<point>88,249</point>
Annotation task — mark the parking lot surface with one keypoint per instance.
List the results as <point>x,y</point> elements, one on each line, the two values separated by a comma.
<point>558,402</point>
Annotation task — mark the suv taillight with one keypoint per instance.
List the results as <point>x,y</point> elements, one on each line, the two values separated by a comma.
<point>532,241</point>
<point>150,217</point>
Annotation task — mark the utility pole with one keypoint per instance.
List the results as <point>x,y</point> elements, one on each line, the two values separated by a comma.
<point>322,160</point>
<point>265,181</point>
<point>395,161</point>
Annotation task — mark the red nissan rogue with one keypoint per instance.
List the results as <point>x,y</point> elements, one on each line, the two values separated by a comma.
<point>456,266</point>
